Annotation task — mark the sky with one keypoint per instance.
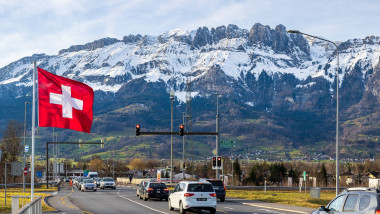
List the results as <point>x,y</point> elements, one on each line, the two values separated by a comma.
<point>29,27</point>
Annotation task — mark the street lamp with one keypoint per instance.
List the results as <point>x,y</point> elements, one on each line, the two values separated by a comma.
<point>337,103</point>
<point>23,175</point>
<point>171,139</point>
<point>217,131</point>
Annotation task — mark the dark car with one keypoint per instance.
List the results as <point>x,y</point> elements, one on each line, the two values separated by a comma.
<point>150,189</point>
<point>219,188</point>
<point>353,200</point>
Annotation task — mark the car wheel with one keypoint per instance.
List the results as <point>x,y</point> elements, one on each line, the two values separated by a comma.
<point>145,197</point>
<point>170,206</point>
<point>140,197</point>
<point>212,211</point>
<point>181,210</point>
<point>94,190</point>
<point>222,199</point>
<point>82,190</point>
<point>137,193</point>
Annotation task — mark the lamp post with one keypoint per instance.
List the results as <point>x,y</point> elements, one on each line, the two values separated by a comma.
<point>23,175</point>
<point>217,136</point>
<point>337,103</point>
<point>171,138</point>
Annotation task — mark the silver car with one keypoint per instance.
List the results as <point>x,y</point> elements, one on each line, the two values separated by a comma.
<point>107,182</point>
<point>360,200</point>
<point>88,184</point>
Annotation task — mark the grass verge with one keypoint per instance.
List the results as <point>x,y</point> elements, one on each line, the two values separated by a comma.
<point>284,197</point>
<point>18,191</point>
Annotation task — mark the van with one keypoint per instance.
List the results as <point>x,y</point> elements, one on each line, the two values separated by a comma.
<point>92,175</point>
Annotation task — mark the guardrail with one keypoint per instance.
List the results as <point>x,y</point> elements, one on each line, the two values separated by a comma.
<point>33,207</point>
<point>279,188</point>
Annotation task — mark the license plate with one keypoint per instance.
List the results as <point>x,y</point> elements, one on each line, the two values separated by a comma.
<point>201,199</point>
<point>158,191</point>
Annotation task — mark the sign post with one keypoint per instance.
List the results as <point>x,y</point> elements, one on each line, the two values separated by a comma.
<point>304,177</point>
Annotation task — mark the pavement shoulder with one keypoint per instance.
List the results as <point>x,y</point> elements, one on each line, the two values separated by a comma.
<point>276,206</point>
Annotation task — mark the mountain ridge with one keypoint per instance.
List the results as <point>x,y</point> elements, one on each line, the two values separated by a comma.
<point>263,74</point>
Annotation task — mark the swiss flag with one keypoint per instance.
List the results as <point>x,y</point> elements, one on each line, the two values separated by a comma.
<point>64,103</point>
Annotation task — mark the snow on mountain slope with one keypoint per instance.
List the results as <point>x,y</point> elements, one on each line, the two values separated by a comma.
<point>172,57</point>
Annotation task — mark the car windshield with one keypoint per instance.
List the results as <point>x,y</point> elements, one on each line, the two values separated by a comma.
<point>107,179</point>
<point>88,181</point>
<point>200,188</point>
<point>98,179</point>
<point>216,183</point>
<point>156,185</point>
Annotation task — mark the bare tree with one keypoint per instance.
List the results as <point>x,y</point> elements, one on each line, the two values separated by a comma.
<point>11,142</point>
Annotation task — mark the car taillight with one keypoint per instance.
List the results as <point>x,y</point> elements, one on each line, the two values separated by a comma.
<point>166,190</point>
<point>188,194</point>
<point>377,212</point>
<point>212,194</point>
<point>150,189</point>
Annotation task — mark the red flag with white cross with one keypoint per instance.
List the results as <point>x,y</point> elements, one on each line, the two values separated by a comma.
<point>64,103</point>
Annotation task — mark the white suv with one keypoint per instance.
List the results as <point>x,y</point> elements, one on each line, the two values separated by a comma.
<point>192,195</point>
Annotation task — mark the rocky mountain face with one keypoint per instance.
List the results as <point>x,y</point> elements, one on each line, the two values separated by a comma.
<point>276,88</point>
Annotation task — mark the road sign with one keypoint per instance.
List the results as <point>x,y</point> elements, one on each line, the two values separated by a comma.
<point>227,142</point>
<point>25,171</point>
<point>214,151</point>
<point>16,168</point>
<point>26,148</point>
<point>227,145</point>
<point>304,175</point>
<point>85,173</point>
<point>39,174</point>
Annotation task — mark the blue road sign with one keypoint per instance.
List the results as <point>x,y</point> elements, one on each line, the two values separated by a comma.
<point>39,174</point>
<point>26,148</point>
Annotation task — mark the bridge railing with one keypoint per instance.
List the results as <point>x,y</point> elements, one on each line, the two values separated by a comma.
<point>33,207</point>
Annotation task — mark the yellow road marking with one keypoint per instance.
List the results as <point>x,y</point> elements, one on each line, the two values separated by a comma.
<point>63,202</point>
<point>294,211</point>
<point>86,212</point>
<point>222,211</point>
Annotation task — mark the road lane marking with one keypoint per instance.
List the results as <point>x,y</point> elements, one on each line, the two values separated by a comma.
<point>273,208</point>
<point>140,204</point>
<point>222,211</point>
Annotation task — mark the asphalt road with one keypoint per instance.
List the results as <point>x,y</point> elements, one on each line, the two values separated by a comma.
<point>124,200</point>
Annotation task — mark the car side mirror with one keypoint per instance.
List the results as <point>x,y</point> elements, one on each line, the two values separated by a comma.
<point>323,208</point>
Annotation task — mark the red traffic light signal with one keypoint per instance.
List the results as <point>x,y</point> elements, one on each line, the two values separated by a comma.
<point>137,129</point>
<point>214,161</point>
<point>181,131</point>
<point>219,161</point>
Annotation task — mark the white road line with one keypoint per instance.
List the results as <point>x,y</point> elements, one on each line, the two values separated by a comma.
<point>273,208</point>
<point>140,204</point>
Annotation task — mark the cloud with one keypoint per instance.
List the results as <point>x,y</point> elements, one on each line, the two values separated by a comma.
<point>42,26</point>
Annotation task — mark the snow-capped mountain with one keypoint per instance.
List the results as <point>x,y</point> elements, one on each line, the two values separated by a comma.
<point>275,74</point>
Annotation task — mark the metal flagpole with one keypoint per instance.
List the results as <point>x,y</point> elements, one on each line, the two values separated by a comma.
<point>33,130</point>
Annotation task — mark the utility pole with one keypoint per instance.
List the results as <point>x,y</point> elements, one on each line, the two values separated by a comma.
<point>217,136</point>
<point>171,139</point>
<point>183,148</point>
<point>23,175</point>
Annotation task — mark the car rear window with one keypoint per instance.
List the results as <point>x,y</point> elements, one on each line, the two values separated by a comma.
<point>200,188</point>
<point>156,185</point>
<point>216,183</point>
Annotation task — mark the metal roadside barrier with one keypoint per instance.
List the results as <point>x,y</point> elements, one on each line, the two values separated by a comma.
<point>33,207</point>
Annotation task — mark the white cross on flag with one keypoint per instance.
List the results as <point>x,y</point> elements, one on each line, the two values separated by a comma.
<point>64,103</point>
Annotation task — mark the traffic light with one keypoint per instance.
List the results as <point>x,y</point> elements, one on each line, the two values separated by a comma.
<point>219,161</point>
<point>181,127</point>
<point>137,129</point>
<point>214,161</point>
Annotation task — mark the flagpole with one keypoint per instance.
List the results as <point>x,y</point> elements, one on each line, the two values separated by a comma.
<point>33,130</point>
